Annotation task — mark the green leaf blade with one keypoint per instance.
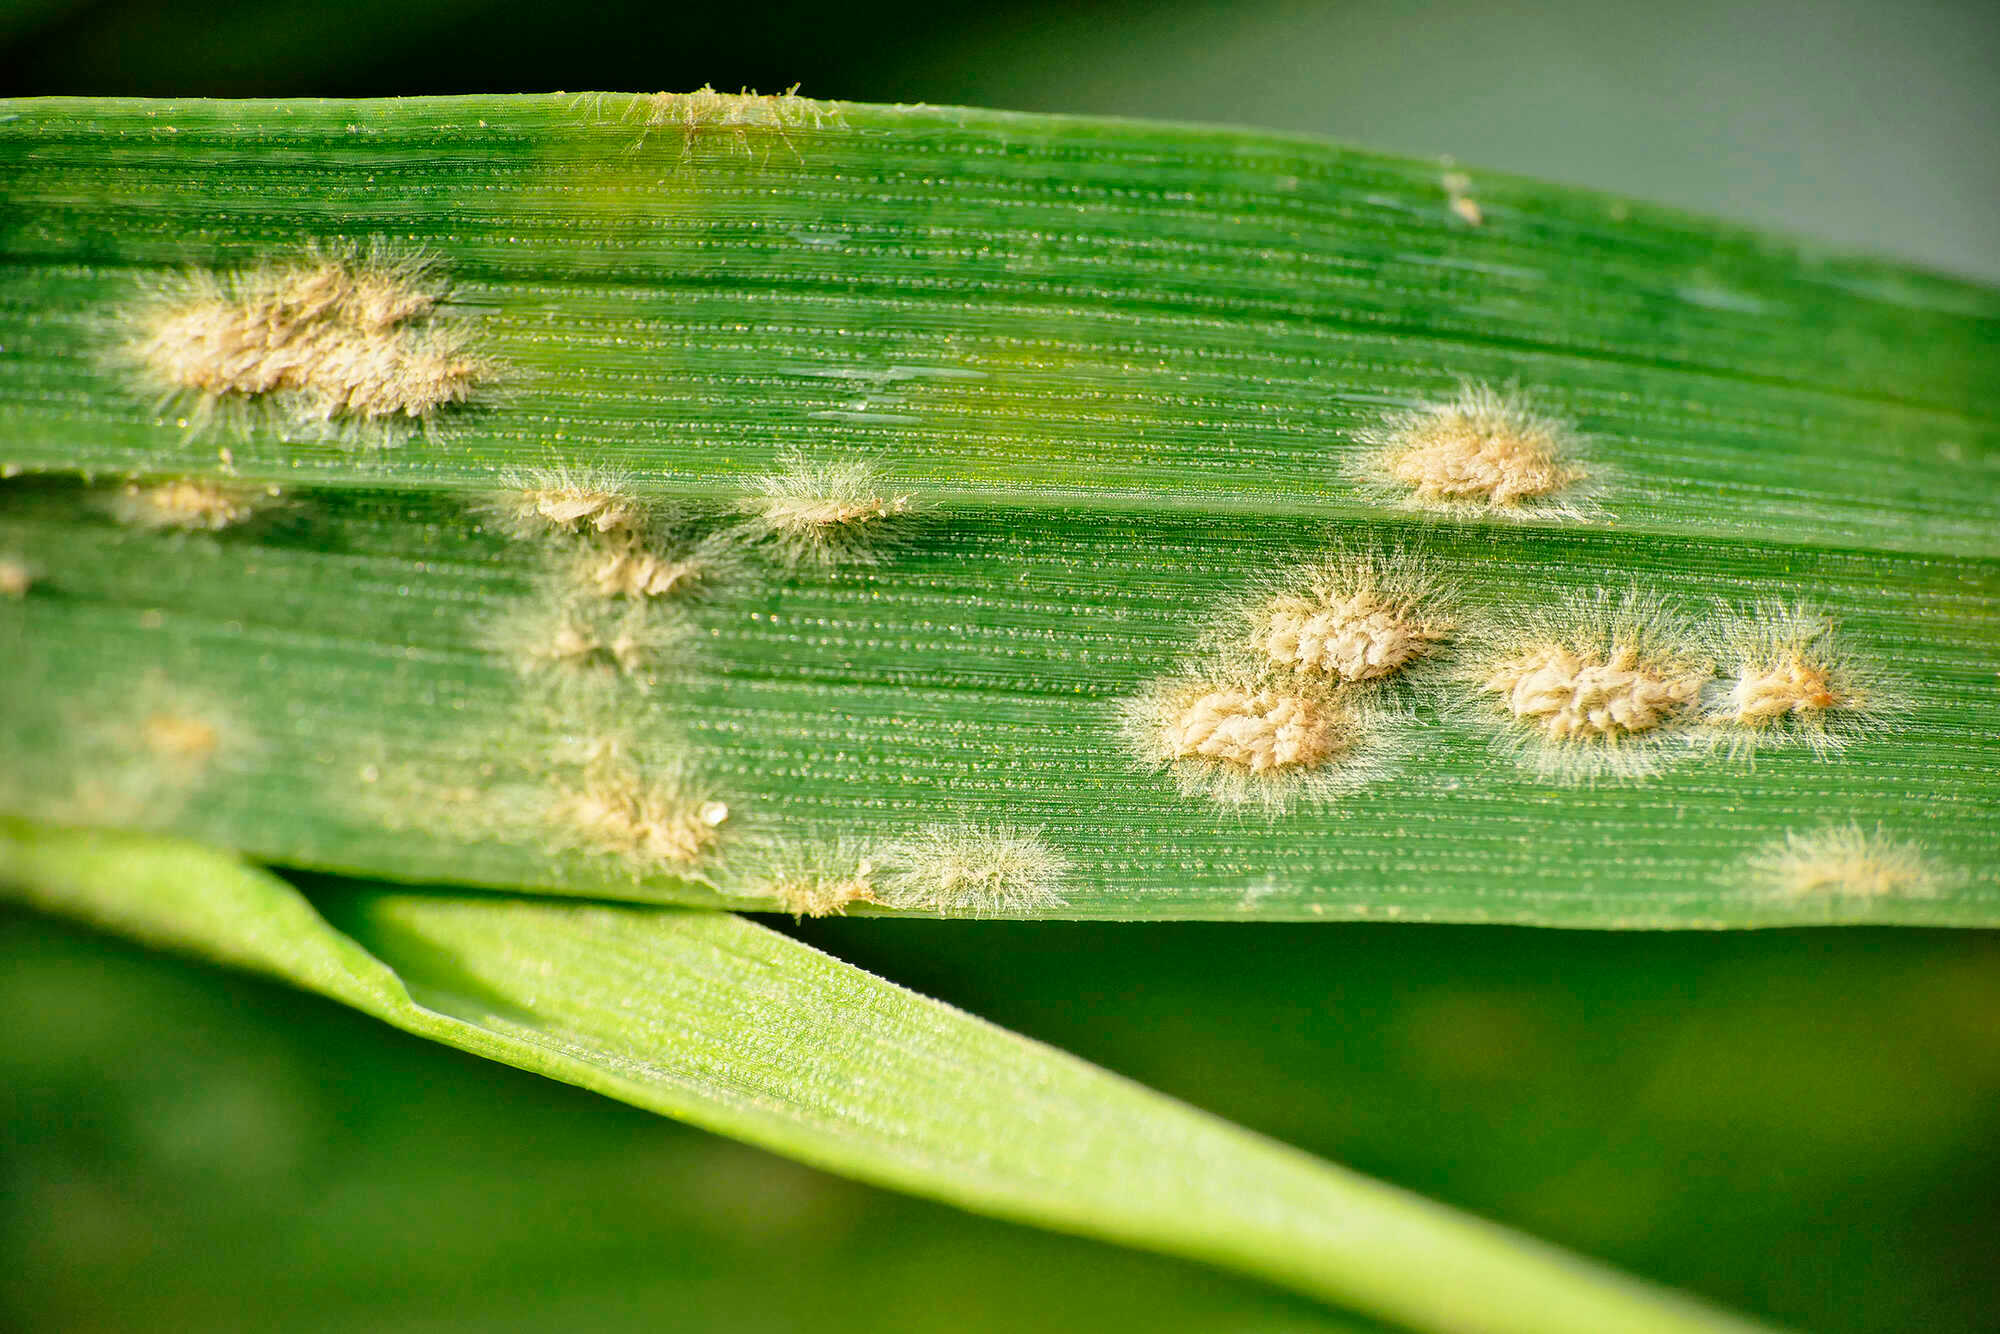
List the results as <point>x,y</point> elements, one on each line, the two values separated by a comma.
<point>710,1019</point>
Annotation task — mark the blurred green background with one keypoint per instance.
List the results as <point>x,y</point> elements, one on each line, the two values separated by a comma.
<point>1804,1125</point>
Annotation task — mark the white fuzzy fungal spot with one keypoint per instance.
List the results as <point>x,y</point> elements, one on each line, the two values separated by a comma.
<point>580,643</point>
<point>1263,731</point>
<point>1480,453</point>
<point>1846,861</point>
<point>1458,192</point>
<point>1350,617</point>
<point>139,755</point>
<point>191,504</point>
<point>566,500</point>
<point>1590,688</point>
<point>1786,679</point>
<point>631,568</point>
<point>743,121</point>
<point>818,880</point>
<point>972,870</point>
<point>824,513</point>
<point>1239,739</point>
<point>649,826</point>
<point>17,576</point>
<point>330,340</point>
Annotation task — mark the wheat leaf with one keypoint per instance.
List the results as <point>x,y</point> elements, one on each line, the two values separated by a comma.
<point>710,1019</point>
<point>922,452</point>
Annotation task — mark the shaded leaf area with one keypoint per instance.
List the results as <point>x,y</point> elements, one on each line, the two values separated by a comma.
<point>1016,307</point>
<point>708,1018</point>
<point>356,657</point>
<point>198,1149</point>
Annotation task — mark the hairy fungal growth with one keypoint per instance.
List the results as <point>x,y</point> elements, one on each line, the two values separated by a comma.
<point>1482,452</point>
<point>1787,680</point>
<point>1591,689</point>
<point>1240,739</point>
<point>1846,861</point>
<point>191,504</point>
<point>972,870</point>
<point>330,340</point>
<point>565,500</point>
<point>649,826</point>
<point>818,880</point>
<point>824,513</point>
<point>630,568</point>
<point>740,120</point>
<point>577,642</point>
<point>1350,617</point>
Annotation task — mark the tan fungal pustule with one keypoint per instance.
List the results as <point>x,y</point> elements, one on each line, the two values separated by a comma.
<point>138,753</point>
<point>1361,637</point>
<point>334,339</point>
<point>616,813</point>
<point>973,870</point>
<point>16,577</point>
<point>824,512</point>
<point>1257,731</point>
<point>190,504</point>
<point>1764,693</point>
<point>1481,451</point>
<point>559,500</point>
<point>1244,737</point>
<point>808,893</point>
<point>742,118</point>
<point>1846,861</point>
<point>629,570</point>
<point>576,642</point>
<point>179,739</point>
<point>1788,679</point>
<point>1571,695</point>
<point>1458,190</point>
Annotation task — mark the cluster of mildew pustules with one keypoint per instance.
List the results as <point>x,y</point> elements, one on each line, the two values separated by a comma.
<point>1299,693</point>
<point>1295,698</point>
<point>1288,705</point>
<point>358,343</point>
<point>608,615</point>
<point>341,341</point>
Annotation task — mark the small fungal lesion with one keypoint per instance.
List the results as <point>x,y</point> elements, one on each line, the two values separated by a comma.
<point>1596,686</point>
<point>825,512</point>
<point>17,575</point>
<point>1786,678</point>
<point>1242,738</point>
<point>1484,452</point>
<point>647,823</point>
<point>1845,861</point>
<point>543,501</point>
<point>972,870</point>
<point>1349,617</point>
<point>1458,194</point>
<point>137,752</point>
<point>818,879</point>
<point>664,566</point>
<point>332,340</point>
<point>740,121</point>
<point>580,781</point>
<point>585,645</point>
<point>191,504</point>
